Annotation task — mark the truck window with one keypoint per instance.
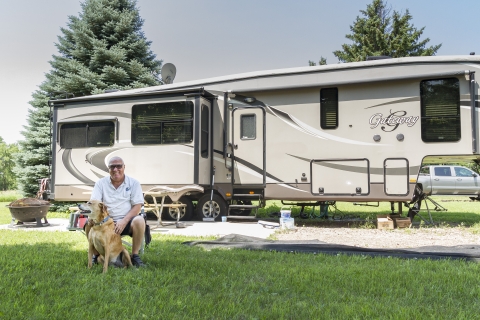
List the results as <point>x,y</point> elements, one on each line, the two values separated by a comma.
<point>440,110</point>
<point>425,170</point>
<point>463,172</point>
<point>162,123</point>
<point>87,134</point>
<point>329,108</point>
<point>443,171</point>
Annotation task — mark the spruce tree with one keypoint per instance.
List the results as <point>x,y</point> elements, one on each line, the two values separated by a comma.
<point>103,48</point>
<point>378,33</point>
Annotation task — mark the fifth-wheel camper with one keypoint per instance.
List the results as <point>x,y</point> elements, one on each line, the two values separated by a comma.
<point>355,132</point>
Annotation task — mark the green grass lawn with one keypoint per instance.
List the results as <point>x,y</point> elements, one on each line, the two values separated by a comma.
<point>44,275</point>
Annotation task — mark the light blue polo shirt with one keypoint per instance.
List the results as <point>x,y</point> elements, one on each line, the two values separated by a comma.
<point>118,201</point>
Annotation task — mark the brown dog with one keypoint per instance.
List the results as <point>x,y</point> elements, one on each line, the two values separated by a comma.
<point>102,237</point>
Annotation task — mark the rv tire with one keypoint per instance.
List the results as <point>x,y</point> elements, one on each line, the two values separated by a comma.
<point>186,213</point>
<point>218,203</point>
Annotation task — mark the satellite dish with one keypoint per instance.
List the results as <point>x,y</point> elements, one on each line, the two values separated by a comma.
<point>168,73</point>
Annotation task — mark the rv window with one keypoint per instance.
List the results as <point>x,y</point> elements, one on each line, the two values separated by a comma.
<point>440,103</point>
<point>204,128</point>
<point>162,123</point>
<point>329,108</point>
<point>87,134</point>
<point>248,127</point>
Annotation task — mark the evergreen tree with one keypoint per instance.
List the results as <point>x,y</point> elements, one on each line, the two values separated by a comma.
<point>103,48</point>
<point>321,62</point>
<point>378,33</point>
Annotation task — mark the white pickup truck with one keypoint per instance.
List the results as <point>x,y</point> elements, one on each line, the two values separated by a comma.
<point>449,180</point>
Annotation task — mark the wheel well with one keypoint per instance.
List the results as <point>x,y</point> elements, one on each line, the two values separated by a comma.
<point>197,196</point>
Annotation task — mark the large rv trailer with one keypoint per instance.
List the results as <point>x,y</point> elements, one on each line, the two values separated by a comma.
<point>345,132</point>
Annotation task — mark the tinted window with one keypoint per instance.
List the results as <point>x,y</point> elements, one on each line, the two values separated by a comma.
<point>425,170</point>
<point>162,123</point>
<point>248,127</point>
<point>463,172</point>
<point>440,103</point>
<point>329,108</point>
<point>87,134</point>
<point>204,134</point>
<point>443,171</point>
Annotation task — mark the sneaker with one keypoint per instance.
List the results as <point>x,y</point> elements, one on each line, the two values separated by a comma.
<point>94,259</point>
<point>136,261</point>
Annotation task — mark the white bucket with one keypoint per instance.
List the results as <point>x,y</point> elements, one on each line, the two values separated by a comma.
<point>285,213</point>
<point>287,223</point>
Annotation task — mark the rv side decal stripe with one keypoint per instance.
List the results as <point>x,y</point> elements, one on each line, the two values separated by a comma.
<point>380,171</point>
<point>301,126</point>
<point>411,99</point>
<point>68,163</point>
<point>251,166</point>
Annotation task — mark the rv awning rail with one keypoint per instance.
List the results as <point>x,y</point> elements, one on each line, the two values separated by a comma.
<point>125,94</point>
<point>358,81</point>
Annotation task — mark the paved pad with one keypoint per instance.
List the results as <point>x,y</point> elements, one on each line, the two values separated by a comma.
<point>192,228</point>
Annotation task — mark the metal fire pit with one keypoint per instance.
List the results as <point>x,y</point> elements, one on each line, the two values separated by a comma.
<point>29,210</point>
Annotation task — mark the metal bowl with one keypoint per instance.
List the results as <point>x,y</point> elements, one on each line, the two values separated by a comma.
<point>29,209</point>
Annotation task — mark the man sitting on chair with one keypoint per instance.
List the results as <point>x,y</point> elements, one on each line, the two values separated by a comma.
<point>124,198</point>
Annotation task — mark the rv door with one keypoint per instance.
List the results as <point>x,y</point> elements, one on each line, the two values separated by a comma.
<point>248,141</point>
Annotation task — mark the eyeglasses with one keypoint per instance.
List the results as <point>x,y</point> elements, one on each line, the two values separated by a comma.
<point>117,166</point>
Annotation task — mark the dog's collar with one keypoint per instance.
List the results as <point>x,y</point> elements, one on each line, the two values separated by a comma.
<point>103,221</point>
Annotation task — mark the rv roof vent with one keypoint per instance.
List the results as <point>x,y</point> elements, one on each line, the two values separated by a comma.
<point>472,53</point>
<point>111,90</point>
<point>369,58</point>
<point>168,72</point>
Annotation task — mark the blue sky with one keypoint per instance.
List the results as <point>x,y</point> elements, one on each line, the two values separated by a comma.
<point>214,37</point>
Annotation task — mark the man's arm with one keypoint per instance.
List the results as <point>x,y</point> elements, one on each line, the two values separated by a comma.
<point>120,225</point>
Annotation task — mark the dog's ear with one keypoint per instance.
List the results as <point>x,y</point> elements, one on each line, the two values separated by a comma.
<point>103,207</point>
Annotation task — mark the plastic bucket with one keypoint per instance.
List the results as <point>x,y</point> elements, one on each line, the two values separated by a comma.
<point>285,212</point>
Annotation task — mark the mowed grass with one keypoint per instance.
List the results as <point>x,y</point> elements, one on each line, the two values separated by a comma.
<point>9,196</point>
<point>44,275</point>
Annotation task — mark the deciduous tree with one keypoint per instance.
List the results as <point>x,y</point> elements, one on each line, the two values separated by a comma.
<point>7,177</point>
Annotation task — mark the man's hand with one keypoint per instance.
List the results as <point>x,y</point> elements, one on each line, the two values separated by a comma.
<point>120,225</point>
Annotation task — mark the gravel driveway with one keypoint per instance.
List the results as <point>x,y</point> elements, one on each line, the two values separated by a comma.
<point>432,239</point>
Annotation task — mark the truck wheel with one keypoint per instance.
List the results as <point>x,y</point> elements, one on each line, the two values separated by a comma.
<point>186,213</point>
<point>219,207</point>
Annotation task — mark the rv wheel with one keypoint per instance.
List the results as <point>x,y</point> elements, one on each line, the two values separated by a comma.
<point>219,207</point>
<point>186,213</point>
